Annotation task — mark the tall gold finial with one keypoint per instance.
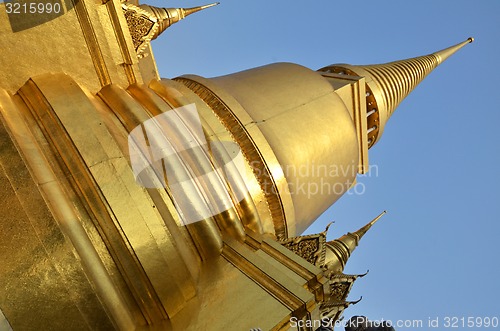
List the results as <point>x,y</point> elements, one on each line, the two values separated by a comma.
<point>339,250</point>
<point>388,84</point>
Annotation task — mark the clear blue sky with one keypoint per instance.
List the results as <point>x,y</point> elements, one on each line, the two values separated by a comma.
<point>435,254</point>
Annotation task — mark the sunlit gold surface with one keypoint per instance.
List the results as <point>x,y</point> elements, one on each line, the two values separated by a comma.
<point>84,247</point>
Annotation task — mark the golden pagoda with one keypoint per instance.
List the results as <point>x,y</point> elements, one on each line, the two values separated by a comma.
<point>132,202</point>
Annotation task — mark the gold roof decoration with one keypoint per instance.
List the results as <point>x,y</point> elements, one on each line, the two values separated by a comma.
<point>333,311</point>
<point>341,284</point>
<point>146,22</point>
<point>310,247</point>
<point>143,26</point>
<point>388,84</point>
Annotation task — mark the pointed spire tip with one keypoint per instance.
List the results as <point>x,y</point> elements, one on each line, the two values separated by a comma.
<point>378,217</point>
<point>189,11</point>
<point>209,5</point>
<point>470,39</point>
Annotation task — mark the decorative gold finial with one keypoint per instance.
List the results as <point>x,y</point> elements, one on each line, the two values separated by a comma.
<point>334,310</point>
<point>388,84</point>
<point>339,250</point>
<point>327,227</point>
<point>357,301</point>
<point>148,22</point>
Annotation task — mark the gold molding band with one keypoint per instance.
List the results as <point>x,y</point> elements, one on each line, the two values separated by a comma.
<point>249,150</point>
<point>92,43</point>
<point>122,43</point>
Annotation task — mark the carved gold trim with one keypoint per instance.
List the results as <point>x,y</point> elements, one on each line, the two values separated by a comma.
<point>142,26</point>
<point>312,248</point>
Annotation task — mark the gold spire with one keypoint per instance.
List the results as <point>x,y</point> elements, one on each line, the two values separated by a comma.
<point>339,250</point>
<point>388,84</point>
<point>166,17</point>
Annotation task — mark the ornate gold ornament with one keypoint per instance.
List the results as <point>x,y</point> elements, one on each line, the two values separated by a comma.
<point>146,22</point>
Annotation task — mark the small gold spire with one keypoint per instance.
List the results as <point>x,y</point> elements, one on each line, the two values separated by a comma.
<point>166,17</point>
<point>339,250</point>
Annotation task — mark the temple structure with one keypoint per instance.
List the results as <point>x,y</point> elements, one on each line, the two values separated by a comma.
<point>131,202</point>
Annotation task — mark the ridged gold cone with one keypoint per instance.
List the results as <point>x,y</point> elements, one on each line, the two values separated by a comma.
<point>397,79</point>
<point>339,250</point>
<point>388,84</point>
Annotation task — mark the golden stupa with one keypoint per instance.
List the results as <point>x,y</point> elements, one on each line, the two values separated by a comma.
<point>132,202</point>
